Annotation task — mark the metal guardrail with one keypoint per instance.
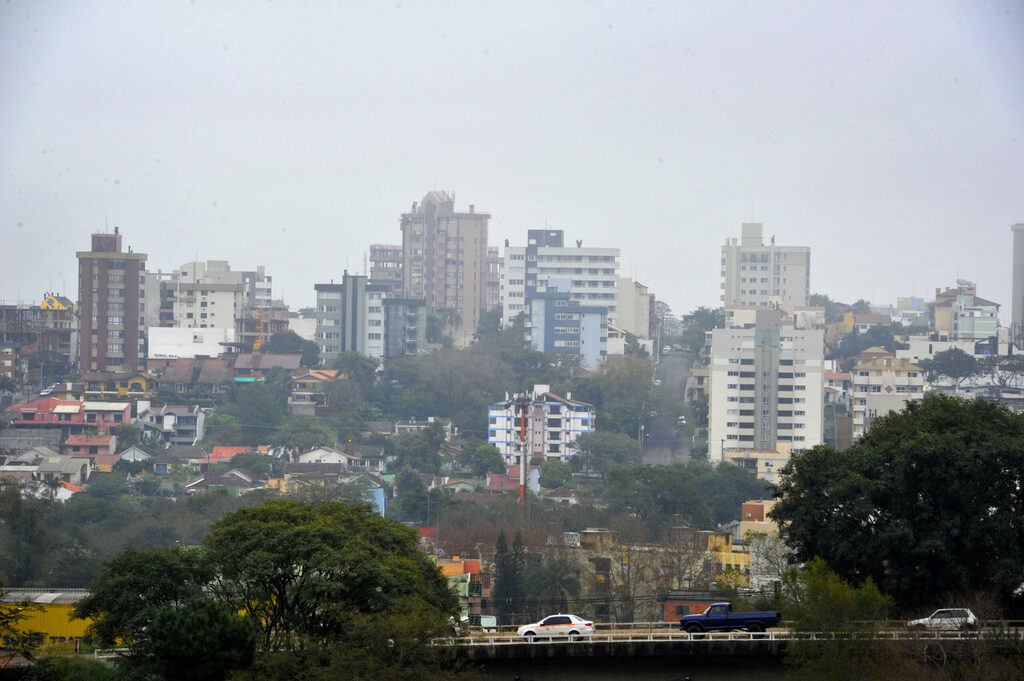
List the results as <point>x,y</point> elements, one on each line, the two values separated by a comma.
<point>770,635</point>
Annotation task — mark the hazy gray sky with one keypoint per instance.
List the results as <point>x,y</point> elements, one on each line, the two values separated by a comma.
<point>888,137</point>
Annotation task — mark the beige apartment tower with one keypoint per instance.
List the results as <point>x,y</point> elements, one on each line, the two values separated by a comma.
<point>1017,293</point>
<point>444,259</point>
<point>764,275</point>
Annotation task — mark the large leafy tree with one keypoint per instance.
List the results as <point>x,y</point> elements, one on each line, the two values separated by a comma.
<point>551,586</point>
<point>304,434</point>
<point>359,368</point>
<point>304,570</point>
<point>927,503</point>
<point>654,493</point>
<point>954,364</point>
<point>697,323</point>
<point>202,640</point>
<point>605,451</point>
<point>482,458</point>
<point>134,587</point>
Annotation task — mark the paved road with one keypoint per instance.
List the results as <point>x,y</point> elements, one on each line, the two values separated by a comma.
<point>660,448</point>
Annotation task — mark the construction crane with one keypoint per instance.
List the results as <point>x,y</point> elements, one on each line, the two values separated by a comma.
<point>260,331</point>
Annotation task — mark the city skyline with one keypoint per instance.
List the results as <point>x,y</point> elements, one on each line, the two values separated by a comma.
<point>885,139</point>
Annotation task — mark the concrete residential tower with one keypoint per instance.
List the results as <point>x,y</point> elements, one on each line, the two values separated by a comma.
<point>111,314</point>
<point>754,274</point>
<point>1017,294</point>
<point>444,258</point>
<point>767,384</point>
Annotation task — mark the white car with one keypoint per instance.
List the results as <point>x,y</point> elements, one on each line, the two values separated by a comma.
<point>571,626</point>
<point>947,619</point>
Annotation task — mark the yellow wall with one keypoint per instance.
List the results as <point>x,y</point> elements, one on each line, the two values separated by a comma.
<point>54,624</point>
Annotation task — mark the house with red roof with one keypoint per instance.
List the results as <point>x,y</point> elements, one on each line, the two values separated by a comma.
<point>224,454</point>
<point>90,445</point>
<point>72,417</point>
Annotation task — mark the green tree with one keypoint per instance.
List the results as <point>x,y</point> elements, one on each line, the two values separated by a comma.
<point>133,588</point>
<point>302,570</point>
<point>303,434</point>
<point>450,318</point>
<point>108,487</point>
<point>916,502</point>
<point>24,536</point>
<point>399,643</point>
<point>555,474</point>
<point>59,668</point>
<point>696,324</point>
<point>127,434</point>
<point>482,458</point>
<point>291,343</point>
<point>654,493</point>
<point>490,323</point>
<point>954,364</point>
<point>419,452</point>
<point>222,429</point>
<point>17,641</point>
<point>604,451</point>
<point>834,311</point>
<point>725,487</point>
<point>202,640</point>
<point>509,564</point>
<point>359,368</point>
<point>551,586</point>
<point>818,600</point>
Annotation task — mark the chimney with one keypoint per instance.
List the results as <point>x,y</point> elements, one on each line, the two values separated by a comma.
<point>472,209</point>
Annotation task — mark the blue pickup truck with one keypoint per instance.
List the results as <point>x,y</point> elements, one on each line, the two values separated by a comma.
<point>720,617</point>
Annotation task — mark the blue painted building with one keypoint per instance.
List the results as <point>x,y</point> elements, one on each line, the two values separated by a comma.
<point>572,332</point>
<point>553,423</point>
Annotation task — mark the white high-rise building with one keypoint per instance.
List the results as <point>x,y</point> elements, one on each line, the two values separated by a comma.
<point>633,313</point>
<point>766,385</point>
<point>762,275</point>
<point>350,317</point>
<point>552,426</point>
<point>592,273</point>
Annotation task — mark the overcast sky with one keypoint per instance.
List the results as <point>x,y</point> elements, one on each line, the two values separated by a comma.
<point>888,137</point>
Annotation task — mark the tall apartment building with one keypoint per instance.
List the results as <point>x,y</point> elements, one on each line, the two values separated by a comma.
<point>766,385</point>
<point>386,267</point>
<point>493,278</point>
<point>960,315</point>
<point>592,273</point>
<point>210,295</point>
<point>1017,292</point>
<point>553,424</point>
<point>350,317</point>
<point>564,328</point>
<point>111,306</point>
<point>882,383</point>
<point>405,327</point>
<point>762,275</point>
<point>444,258</point>
<point>633,303</point>
<point>46,333</point>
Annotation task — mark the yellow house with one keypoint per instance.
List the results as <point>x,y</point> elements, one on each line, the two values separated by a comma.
<point>54,302</point>
<point>851,321</point>
<point>109,385</point>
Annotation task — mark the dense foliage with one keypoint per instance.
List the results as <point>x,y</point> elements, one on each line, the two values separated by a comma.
<point>926,504</point>
<point>274,580</point>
